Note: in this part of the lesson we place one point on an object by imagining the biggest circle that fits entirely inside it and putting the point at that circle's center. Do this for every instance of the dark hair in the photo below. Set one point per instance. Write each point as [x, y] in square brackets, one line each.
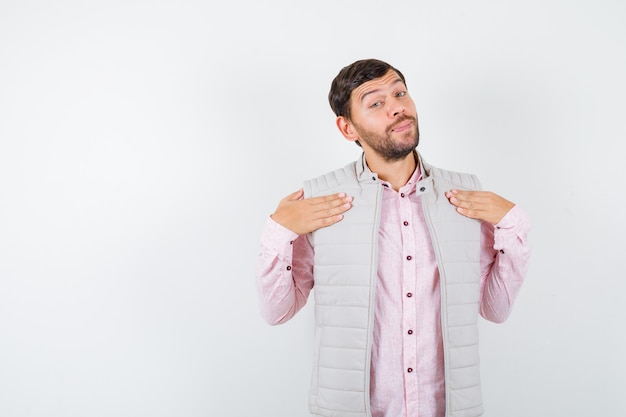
[352, 76]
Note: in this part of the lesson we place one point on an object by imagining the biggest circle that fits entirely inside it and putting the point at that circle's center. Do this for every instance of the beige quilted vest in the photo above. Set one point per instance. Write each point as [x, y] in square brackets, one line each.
[345, 272]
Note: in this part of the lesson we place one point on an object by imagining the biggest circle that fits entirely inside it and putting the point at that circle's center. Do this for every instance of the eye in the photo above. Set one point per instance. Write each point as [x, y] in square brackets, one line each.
[401, 94]
[377, 104]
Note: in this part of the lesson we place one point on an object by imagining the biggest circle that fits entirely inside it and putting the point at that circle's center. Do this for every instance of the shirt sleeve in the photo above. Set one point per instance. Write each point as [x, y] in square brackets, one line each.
[284, 274]
[505, 254]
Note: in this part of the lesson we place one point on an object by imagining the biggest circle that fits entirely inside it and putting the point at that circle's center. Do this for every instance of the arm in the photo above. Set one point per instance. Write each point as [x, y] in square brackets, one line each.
[505, 251]
[284, 274]
[505, 254]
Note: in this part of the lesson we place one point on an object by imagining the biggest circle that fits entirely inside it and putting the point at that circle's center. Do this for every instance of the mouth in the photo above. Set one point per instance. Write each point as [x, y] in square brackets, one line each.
[402, 126]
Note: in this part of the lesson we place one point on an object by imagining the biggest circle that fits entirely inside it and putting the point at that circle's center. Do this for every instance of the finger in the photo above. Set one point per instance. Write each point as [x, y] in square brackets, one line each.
[467, 208]
[326, 199]
[456, 198]
[476, 196]
[467, 204]
[327, 221]
[329, 202]
[470, 199]
[330, 211]
[296, 195]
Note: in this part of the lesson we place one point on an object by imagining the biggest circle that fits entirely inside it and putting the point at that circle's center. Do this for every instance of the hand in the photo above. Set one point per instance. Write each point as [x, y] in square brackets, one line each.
[481, 205]
[303, 215]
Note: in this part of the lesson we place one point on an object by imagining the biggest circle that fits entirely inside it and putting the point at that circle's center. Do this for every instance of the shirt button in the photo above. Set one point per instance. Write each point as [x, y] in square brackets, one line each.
[405, 223]
[291, 242]
[408, 258]
[501, 250]
[402, 195]
[409, 294]
[288, 267]
[409, 370]
[423, 189]
[410, 332]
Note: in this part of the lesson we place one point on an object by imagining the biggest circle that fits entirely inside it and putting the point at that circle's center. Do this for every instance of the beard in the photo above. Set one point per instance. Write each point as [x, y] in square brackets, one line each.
[393, 150]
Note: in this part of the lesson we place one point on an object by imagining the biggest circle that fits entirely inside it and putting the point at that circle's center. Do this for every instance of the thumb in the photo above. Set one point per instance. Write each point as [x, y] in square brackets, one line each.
[297, 195]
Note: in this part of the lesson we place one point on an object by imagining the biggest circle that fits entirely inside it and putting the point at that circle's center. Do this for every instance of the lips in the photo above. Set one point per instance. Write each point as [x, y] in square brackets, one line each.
[402, 126]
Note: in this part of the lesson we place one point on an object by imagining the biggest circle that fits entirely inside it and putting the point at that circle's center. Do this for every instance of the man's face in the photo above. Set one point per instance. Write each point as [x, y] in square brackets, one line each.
[384, 117]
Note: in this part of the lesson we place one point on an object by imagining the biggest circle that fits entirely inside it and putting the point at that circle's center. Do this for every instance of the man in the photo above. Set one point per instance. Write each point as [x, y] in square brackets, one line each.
[404, 256]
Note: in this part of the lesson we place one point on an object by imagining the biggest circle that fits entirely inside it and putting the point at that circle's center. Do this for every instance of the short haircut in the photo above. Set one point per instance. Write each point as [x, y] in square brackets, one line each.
[352, 76]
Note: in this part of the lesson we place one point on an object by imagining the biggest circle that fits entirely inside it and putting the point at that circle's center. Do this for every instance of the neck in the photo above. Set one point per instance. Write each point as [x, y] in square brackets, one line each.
[396, 173]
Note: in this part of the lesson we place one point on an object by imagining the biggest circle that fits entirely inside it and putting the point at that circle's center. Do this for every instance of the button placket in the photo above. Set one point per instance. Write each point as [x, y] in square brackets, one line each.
[409, 278]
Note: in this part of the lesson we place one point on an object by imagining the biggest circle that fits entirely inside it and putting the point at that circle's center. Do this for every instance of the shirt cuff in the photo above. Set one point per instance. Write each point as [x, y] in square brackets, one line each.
[276, 237]
[514, 225]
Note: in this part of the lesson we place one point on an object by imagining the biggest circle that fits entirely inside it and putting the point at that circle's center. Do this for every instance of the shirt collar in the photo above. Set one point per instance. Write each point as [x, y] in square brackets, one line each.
[364, 174]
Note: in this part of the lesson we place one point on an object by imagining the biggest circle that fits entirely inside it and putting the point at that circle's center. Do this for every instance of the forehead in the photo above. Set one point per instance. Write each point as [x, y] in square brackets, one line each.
[388, 81]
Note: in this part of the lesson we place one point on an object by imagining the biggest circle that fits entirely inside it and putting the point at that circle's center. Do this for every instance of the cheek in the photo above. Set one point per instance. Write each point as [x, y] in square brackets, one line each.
[373, 122]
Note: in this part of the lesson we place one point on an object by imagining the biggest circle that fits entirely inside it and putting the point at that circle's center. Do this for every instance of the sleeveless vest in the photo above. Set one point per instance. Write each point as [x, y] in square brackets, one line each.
[345, 271]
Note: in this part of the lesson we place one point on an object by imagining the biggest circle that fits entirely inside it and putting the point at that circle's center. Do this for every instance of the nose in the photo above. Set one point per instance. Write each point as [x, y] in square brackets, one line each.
[397, 109]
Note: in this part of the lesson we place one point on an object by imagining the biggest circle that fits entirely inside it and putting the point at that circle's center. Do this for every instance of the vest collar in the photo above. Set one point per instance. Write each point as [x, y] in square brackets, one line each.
[364, 174]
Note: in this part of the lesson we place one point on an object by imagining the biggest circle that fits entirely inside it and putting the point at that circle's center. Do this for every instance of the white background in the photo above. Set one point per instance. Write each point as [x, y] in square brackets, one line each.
[144, 143]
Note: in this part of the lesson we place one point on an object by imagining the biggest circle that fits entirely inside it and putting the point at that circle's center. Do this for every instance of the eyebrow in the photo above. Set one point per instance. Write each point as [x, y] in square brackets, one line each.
[398, 80]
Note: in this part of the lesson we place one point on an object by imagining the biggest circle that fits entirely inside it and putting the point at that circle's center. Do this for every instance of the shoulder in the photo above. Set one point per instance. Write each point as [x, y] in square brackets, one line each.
[329, 182]
[455, 179]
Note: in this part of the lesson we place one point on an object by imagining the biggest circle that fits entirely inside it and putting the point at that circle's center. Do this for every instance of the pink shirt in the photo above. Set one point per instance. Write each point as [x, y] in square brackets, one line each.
[407, 373]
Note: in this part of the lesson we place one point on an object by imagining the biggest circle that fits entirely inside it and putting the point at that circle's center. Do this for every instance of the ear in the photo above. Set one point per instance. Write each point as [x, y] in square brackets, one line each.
[346, 129]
